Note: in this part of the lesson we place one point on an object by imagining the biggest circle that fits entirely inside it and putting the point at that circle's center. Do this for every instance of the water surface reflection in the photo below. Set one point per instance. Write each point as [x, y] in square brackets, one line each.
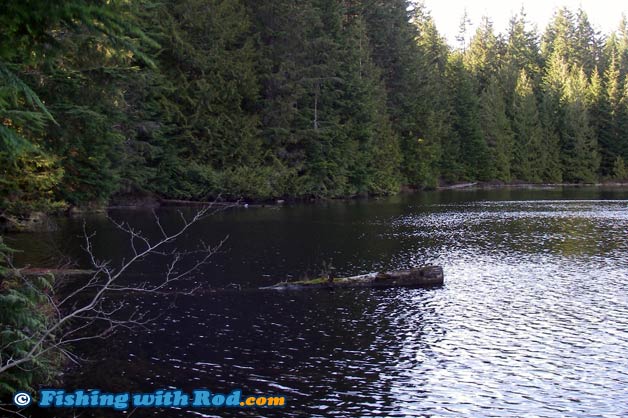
[532, 321]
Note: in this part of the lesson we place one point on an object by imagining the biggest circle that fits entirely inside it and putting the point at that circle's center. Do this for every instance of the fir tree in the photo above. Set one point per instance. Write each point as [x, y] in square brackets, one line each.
[528, 150]
[473, 157]
[619, 169]
[483, 57]
[496, 129]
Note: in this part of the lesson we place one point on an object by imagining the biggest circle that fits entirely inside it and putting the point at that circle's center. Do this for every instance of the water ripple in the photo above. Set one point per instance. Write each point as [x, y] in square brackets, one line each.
[532, 321]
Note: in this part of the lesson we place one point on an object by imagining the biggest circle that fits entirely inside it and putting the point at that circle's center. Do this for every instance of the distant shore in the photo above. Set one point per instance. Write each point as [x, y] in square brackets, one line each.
[39, 221]
[151, 201]
[514, 185]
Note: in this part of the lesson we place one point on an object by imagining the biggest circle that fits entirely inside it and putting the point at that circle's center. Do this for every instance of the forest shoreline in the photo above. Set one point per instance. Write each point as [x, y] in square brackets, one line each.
[45, 221]
[313, 103]
[515, 185]
[153, 201]
[156, 201]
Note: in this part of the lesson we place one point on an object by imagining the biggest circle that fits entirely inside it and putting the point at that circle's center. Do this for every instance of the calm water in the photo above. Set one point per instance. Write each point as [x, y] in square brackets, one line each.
[532, 321]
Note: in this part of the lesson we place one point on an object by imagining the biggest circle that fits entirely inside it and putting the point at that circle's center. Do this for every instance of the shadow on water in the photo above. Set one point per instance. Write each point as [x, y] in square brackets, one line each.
[532, 319]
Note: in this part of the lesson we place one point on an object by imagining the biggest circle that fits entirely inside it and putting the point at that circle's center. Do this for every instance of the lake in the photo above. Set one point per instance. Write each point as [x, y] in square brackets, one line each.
[532, 320]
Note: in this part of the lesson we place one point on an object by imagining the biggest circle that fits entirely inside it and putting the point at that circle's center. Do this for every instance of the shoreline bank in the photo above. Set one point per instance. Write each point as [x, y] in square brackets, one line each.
[40, 221]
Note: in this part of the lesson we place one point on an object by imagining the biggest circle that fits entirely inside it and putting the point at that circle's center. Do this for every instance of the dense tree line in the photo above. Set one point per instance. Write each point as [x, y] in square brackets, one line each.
[317, 98]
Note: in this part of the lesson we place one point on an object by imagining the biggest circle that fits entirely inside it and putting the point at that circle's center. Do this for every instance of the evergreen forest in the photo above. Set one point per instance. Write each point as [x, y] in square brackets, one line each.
[257, 100]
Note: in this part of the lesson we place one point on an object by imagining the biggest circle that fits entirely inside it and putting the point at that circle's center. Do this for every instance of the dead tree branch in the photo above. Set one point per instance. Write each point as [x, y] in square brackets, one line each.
[86, 312]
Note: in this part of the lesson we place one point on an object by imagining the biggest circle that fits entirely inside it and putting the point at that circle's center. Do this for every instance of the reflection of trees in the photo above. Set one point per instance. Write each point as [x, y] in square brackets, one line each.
[562, 235]
[512, 228]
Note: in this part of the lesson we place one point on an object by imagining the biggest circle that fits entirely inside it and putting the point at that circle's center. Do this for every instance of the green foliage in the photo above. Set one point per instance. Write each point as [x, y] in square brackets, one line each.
[199, 99]
[520, 53]
[323, 108]
[473, 154]
[570, 37]
[55, 53]
[23, 314]
[191, 99]
[496, 129]
[249, 99]
[28, 176]
[28, 182]
[619, 169]
[482, 58]
[528, 151]
[413, 59]
[568, 88]
[552, 169]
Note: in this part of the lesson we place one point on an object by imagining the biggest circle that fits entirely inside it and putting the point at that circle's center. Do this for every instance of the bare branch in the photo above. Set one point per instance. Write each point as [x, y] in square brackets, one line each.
[12, 411]
[86, 313]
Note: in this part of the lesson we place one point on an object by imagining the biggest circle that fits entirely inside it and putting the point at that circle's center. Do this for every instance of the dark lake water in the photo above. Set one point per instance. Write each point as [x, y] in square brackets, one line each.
[532, 320]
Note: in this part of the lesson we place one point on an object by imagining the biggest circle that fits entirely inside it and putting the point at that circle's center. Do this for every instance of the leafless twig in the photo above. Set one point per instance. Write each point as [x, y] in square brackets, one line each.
[86, 312]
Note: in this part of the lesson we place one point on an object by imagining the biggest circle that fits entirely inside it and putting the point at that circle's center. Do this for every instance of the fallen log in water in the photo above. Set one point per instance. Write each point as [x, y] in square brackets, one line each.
[426, 276]
[30, 271]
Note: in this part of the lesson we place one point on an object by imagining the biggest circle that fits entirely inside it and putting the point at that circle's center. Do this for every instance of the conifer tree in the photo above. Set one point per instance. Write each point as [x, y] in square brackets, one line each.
[473, 155]
[619, 169]
[579, 151]
[559, 39]
[412, 55]
[602, 120]
[622, 123]
[496, 129]
[483, 57]
[528, 150]
[548, 112]
[587, 43]
[202, 98]
[41, 44]
[374, 167]
[520, 53]
[195, 98]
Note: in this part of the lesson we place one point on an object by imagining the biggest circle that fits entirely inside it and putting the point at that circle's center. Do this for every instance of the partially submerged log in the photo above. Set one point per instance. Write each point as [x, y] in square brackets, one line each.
[57, 272]
[426, 276]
